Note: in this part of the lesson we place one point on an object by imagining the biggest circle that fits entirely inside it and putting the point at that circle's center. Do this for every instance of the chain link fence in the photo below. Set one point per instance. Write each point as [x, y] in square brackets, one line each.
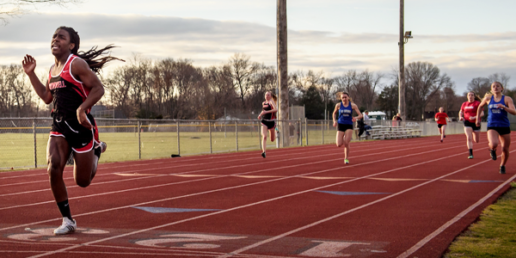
[23, 141]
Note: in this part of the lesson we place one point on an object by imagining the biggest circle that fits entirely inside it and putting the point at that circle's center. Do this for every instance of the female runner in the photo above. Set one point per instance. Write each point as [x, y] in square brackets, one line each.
[498, 126]
[441, 118]
[72, 88]
[344, 122]
[468, 114]
[268, 116]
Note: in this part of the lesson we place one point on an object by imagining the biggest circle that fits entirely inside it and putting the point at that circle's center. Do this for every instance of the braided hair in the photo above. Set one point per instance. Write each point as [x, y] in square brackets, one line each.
[90, 56]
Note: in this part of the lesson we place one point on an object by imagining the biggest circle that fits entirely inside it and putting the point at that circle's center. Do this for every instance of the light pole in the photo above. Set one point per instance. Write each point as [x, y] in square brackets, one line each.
[282, 59]
[404, 37]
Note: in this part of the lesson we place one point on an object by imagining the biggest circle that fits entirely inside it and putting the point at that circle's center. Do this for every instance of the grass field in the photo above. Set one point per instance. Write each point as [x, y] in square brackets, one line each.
[17, 149]
[494, 235]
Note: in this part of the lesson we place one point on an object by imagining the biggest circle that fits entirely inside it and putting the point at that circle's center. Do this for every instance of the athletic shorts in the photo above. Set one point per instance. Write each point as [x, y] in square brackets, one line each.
[270, 124]
[78, 137]
[439, 125]
[344, 127]
[501, 130]
[472, 125]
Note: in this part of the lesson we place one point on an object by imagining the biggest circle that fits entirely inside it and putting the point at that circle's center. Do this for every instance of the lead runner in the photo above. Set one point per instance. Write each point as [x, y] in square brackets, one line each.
[72, 88]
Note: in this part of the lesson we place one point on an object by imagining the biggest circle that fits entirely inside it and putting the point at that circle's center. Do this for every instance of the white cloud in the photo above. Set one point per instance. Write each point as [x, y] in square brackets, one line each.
[209, 42]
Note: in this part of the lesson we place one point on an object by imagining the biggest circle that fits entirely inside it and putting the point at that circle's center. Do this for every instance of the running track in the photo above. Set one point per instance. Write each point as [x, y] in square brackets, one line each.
[397, 198]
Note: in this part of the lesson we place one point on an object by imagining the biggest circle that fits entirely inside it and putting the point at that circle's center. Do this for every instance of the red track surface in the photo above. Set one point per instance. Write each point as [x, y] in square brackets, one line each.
[424, 196]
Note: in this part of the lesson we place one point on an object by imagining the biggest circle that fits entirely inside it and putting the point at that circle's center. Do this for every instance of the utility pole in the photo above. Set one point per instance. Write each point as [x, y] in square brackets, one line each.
[401, 77]
[281, 31]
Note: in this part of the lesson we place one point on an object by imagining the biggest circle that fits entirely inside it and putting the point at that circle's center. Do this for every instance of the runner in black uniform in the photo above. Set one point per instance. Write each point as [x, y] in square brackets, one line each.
[72, 88]
[268, 116]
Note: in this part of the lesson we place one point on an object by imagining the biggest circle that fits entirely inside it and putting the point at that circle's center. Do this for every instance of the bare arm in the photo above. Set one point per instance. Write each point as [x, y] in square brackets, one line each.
[43, 91]
[509, 106]
[81, 70]
[481, 108]
[355, 107]
[335, 111]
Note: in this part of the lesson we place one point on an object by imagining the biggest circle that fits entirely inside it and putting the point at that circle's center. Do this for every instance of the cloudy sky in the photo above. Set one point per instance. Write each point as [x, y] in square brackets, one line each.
[464, 38]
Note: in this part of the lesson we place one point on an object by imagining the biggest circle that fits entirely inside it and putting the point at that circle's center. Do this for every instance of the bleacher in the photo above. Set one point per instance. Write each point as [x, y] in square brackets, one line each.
[382, 132]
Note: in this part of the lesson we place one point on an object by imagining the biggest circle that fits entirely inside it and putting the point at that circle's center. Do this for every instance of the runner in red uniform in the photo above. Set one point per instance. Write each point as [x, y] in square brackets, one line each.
[468, 114]
[441, 118]
[72, 88]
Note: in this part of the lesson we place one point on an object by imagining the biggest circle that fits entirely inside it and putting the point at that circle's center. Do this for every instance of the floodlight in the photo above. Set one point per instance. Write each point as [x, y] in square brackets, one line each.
[408, 34]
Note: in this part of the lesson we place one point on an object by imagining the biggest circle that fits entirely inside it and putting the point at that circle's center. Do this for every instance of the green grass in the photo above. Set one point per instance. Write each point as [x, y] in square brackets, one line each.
[494, 235]
[17, 149]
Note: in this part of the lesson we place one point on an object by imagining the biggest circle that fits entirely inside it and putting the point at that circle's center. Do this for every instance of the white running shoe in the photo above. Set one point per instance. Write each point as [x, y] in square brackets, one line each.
[103, 146]
[67, 227]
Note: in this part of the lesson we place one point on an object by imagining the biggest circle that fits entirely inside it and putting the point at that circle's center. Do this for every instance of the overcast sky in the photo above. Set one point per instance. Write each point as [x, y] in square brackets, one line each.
[464, 38]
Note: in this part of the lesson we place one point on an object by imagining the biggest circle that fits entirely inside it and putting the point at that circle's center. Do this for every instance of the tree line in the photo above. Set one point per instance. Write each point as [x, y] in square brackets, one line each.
[176, 89]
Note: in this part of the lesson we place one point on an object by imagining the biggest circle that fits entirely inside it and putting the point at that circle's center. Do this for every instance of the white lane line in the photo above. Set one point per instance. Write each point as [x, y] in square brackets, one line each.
[154, 162]
[222, 176]
[188, 164]
[188, 160]
[247, 205]
[349, 211]
[459, 216]
[194, 171]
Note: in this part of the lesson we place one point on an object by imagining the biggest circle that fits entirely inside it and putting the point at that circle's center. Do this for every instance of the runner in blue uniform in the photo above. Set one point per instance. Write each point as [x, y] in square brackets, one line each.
[498, 126]
[343, 119]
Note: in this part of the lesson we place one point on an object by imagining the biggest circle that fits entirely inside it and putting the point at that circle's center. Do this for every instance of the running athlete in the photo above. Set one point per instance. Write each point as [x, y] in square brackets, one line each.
[498, 126]
[344, 122]
[441, 118]
[468, 114]
[268, 116]
[72, 88]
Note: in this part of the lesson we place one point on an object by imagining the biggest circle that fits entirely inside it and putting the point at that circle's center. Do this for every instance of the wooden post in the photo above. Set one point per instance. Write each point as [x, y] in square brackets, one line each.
[401, 82]
[282, 58]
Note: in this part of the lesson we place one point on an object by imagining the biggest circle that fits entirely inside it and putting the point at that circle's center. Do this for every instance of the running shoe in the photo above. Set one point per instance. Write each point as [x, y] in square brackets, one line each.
[493, 154]
[502, 170]
[441, 140]
[263, 154]
[470, 157]
[100, 148]
[67, 227]
[346, 161]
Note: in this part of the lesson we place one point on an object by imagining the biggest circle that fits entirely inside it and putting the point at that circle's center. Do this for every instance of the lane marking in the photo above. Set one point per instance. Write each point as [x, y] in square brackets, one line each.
[172, 210]
[350, 193]
[223, 189]
[254, 204]
[459, 216]
[197, 180]
[186, 172]
[351, 210]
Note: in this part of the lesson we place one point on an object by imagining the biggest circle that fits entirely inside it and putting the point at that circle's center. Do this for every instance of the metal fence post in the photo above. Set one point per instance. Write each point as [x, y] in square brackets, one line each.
[178, 141]
[260, 135]
[139, 140]
[322, 131]
[306, 131]
[35, 145]
[300, 128]
[209, 127]
[236, 134]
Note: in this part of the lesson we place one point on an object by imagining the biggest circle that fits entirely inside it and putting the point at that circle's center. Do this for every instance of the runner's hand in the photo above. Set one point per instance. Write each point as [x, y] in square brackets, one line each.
[29, 64]
[334, 124]
[83, 119]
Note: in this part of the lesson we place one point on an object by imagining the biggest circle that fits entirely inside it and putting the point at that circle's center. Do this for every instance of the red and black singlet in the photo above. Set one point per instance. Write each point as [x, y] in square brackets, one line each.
[266, 106]
[68, 93]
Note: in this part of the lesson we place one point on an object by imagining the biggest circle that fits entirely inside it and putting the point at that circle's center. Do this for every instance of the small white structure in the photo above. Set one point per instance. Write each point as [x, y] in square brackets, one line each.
[377, 115]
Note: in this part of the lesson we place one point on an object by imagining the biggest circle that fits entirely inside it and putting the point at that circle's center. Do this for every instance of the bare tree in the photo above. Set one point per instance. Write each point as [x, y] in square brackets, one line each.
[242, 70]
[423, 81]
[11, 8]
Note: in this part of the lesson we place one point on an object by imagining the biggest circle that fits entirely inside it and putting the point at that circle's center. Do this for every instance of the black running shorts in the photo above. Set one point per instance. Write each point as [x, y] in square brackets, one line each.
[344, 127]
[472, 125]
[78, 137]
[501, 130]
[270, 124]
